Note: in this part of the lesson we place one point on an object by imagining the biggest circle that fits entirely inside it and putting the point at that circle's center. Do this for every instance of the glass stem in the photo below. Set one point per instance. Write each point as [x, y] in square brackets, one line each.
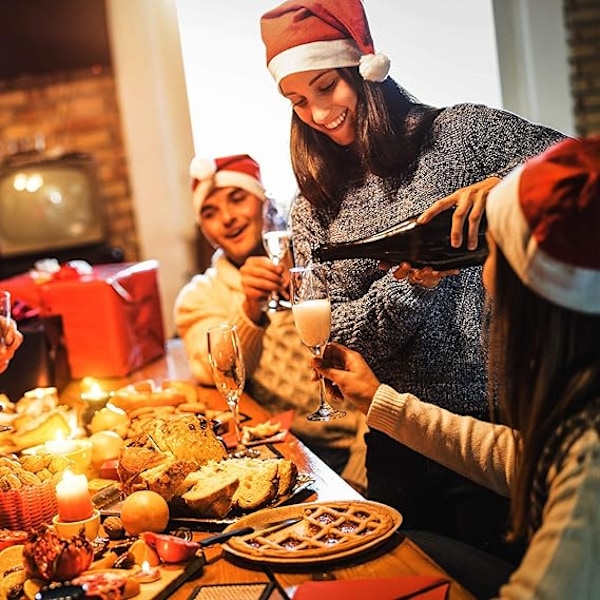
[323, 391]
[235, 411]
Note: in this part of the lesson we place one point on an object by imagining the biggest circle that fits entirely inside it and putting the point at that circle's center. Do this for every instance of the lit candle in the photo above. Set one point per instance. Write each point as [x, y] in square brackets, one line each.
[60, 446]
[94, 398]
[73, 498]
[42, 393]
[147, 574]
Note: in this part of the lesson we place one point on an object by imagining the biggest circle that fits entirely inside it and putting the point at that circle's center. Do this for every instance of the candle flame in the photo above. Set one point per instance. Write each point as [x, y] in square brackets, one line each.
[145, 567]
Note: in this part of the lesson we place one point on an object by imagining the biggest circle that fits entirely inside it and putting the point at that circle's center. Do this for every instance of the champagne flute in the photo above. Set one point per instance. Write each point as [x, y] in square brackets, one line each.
[312, 315]
[5, 315]
[276, 241]
[227, 364]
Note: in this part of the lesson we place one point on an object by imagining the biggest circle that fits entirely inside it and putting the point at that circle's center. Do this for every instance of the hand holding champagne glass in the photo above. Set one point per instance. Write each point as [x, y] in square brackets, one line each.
[312, 315]
[226, 361]
[10, 337]
[276, 241]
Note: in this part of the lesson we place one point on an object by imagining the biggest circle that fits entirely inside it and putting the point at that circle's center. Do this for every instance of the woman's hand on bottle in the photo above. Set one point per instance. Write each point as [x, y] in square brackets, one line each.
[426, 277]
[470, 204]
[350, 374]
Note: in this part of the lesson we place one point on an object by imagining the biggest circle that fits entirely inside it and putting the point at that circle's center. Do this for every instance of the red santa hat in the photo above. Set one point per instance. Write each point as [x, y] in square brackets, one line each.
[239, 171]
[325, 34]
[545, 216]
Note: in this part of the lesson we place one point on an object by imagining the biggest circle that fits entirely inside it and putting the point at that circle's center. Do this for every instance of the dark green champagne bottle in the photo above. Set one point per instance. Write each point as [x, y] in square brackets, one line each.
[425, 245]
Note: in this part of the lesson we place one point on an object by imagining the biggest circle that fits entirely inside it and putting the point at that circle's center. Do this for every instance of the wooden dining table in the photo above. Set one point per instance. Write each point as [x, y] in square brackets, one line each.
[396, 557]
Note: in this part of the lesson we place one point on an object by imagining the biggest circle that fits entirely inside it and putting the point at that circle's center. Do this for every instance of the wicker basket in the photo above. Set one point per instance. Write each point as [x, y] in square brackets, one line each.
[28, 507]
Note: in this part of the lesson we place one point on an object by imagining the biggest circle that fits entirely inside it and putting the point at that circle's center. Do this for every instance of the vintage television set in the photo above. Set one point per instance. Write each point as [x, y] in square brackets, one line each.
[51, 207]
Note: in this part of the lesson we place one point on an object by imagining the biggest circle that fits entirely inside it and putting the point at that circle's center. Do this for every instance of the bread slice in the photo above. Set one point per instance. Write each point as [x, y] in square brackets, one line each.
[164, 479]
[133, 460]
[258, 481]
[242, 484]
[188, 437]
[212, 494]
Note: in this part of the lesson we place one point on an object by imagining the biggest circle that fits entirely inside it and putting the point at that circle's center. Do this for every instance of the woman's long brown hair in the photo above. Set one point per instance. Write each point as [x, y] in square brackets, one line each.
[544, 364]
[392, 127]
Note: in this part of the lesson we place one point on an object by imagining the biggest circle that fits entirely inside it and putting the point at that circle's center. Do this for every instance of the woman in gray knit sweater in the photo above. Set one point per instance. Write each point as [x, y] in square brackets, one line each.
[367, 155]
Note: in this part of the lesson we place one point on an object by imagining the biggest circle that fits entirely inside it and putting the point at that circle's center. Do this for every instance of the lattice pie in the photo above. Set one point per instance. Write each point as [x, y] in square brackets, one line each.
[325, 529]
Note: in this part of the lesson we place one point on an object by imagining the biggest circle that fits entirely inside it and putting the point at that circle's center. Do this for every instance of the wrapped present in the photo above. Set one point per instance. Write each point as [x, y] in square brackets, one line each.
[41, 360]
[111, 313]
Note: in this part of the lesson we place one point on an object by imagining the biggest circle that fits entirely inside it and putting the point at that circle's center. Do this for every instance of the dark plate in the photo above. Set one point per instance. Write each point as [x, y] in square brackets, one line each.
[303, 482]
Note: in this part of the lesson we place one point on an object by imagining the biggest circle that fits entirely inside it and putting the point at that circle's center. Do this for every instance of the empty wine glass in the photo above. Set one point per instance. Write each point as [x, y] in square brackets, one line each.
[276, 241]
[312, 315]
[227, 364]
[5, 305]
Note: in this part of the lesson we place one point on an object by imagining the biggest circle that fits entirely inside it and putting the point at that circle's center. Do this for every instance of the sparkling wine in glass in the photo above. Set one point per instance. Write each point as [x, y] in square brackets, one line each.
[312, 315]
[276, 241]
[227, 364]
[5, 306]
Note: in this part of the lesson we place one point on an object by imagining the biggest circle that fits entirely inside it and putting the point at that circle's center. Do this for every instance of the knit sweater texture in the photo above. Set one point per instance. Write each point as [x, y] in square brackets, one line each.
[424, 341]
[278, 374]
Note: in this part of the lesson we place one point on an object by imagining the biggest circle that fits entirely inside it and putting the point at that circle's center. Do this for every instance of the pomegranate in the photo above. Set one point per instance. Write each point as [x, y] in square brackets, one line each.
[51, 558]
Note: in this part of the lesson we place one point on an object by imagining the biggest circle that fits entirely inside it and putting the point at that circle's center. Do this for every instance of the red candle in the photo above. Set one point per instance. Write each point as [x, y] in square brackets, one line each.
[73, 498]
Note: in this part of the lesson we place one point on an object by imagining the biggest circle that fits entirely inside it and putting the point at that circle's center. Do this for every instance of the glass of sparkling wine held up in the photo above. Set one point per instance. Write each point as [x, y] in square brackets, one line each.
[276, 241]
[227, 364]
[312, 315]
[5, 314]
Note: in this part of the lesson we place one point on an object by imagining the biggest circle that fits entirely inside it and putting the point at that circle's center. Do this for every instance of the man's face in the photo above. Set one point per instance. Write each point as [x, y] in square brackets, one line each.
[231, 218]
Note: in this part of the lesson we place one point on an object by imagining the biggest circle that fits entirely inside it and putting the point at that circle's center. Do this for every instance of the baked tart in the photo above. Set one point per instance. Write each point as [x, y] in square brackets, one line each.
[326, 531]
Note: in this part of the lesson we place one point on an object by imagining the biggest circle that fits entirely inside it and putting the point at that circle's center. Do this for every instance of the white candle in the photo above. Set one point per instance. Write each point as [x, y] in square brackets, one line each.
[73, 498]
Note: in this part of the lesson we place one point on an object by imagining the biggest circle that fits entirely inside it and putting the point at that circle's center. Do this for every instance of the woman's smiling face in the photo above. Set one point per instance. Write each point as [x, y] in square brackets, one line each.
[324, 101]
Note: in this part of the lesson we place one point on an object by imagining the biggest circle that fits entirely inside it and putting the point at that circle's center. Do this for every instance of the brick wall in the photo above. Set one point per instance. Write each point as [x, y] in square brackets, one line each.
[582, 20]
[76, 111]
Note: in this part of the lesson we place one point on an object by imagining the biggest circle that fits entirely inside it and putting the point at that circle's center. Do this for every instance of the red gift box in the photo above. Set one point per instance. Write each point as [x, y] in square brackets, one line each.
[112, 316]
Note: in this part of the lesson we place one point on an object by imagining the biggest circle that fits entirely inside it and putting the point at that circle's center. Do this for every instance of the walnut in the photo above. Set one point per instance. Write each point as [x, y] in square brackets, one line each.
[114, 528]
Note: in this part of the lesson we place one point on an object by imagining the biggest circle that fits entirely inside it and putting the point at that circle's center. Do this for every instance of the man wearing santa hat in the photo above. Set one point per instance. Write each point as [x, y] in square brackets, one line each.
[229, 203]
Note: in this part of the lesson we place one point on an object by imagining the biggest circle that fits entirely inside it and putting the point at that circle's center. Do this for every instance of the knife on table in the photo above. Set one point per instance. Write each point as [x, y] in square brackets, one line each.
[266, 528]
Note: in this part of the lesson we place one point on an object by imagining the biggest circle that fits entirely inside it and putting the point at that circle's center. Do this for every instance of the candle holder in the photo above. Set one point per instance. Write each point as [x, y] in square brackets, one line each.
[79, 452]
[146, 573]
[67, 529]
[92, 401]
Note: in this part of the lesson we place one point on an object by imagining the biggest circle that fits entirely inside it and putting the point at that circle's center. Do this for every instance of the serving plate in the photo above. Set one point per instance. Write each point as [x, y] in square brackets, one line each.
[327, 531]
[303, 482]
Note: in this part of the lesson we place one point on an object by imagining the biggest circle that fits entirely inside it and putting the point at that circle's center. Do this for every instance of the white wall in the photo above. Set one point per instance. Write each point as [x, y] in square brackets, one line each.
[156, 125]
[532, 48]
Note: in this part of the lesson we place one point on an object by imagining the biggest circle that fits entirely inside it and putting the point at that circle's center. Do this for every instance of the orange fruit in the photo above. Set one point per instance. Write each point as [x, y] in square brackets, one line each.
[110, 418]
[141, 551]
[144, 510]
[12, 569]
[106, 445]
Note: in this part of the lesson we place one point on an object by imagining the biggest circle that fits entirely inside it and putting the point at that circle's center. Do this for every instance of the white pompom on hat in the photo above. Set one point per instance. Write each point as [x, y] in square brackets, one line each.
[239, 171]
[324, 34]
[545, 217]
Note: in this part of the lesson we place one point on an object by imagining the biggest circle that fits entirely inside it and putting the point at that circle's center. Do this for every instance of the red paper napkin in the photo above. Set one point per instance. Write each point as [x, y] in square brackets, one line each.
[419, 587]
[284, 419]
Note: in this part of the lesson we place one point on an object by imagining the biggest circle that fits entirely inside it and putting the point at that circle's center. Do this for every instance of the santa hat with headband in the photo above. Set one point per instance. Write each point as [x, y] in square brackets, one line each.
[545, 217]
[325, 34]
[239, 171]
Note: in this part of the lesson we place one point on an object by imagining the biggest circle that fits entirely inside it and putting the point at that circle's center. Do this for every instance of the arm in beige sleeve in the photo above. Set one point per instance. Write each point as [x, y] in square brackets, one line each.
[483, 452]
[199, 306]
